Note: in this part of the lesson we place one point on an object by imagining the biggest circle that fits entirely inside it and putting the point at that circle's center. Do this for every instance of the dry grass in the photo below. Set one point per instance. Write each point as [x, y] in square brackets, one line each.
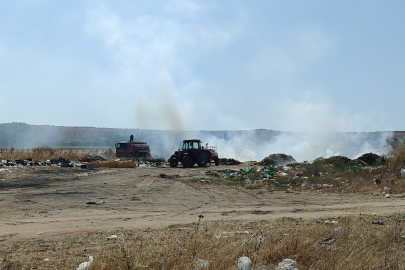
[362, 245]
[396, 159]
[45, 153]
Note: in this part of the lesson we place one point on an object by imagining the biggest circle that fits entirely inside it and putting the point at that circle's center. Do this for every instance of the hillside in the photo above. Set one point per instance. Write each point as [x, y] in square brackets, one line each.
[22, 135]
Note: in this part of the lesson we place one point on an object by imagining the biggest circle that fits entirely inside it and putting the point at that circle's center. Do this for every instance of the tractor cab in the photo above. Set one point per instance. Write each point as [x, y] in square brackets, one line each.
[190, 145]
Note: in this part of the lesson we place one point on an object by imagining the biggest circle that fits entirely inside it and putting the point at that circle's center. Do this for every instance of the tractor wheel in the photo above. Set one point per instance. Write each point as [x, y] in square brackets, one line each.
[202, 159]
[216, 160]
[188, 161]
[173, 161]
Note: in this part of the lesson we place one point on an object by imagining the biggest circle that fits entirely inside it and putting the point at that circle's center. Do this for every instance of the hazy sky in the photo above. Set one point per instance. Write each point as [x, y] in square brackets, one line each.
[182, 64]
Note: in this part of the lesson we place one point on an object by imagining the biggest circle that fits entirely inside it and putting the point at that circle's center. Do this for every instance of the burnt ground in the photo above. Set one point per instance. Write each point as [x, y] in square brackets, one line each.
[37, 202]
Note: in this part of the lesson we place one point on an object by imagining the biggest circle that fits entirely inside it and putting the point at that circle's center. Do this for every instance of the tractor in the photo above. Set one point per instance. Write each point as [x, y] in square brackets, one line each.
[191, 152]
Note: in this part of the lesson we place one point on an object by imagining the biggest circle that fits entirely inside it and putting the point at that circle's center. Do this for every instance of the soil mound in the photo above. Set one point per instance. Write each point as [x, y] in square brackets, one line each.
[370, 159]
[337, 159]
[277, 160]
[229, 161]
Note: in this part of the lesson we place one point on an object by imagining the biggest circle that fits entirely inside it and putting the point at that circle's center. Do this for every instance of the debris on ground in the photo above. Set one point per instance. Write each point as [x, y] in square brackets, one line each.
[95, 202]
[201, 264]
[339, 230]
[112, 237]
[377, 180]
[377, 222]
[162, 175]
[287, 264]
[85, 265]
[244, 263]
[92, 158]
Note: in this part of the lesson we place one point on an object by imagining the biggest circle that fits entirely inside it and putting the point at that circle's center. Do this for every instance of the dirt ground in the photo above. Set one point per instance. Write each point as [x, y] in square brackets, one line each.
[38, 202]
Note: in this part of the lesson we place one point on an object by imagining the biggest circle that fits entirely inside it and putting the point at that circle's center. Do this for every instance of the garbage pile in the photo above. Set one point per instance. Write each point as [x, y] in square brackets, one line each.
[151, 163]
[57, 162]
[368, 159]
[229, 161]
[371, 159]
[277, 160]
[92, 158]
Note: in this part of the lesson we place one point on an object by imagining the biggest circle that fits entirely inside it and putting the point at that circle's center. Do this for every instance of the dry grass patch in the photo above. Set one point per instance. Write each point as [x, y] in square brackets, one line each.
[45, 153]
[358, 245]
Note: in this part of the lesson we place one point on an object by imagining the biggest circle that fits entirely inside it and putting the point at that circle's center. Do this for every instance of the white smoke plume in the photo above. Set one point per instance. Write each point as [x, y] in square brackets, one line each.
[302, 146]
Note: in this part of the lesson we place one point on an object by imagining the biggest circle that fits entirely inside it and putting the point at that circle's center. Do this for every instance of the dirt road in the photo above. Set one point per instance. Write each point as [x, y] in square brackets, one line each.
[37, 202]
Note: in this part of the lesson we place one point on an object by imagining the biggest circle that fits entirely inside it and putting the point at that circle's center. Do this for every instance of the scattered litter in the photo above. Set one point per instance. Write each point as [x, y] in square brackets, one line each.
[249, 170]
[287, 264]
[162, 175]
[374, 214]
[258, 240]
[328, 238]
[331, 222]
[46, 260]
[242, 232]
[378, 222]
[219, 236]
[306, 184]
[39, 233]
[85, 265]
[281, 174]
[330, 242]
[204, 181]
[112, 237]
[402, 172]
[201, 264]
[244, 263]
[339, 230]
[95, 202]
[377, 180]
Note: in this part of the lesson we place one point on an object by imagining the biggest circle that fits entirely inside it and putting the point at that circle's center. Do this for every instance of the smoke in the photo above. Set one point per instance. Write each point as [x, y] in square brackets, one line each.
[321, 130]
[160, 110]
[303, 146]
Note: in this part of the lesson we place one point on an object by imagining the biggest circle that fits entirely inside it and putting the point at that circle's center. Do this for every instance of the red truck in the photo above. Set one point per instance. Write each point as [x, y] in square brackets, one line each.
[132, 149]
